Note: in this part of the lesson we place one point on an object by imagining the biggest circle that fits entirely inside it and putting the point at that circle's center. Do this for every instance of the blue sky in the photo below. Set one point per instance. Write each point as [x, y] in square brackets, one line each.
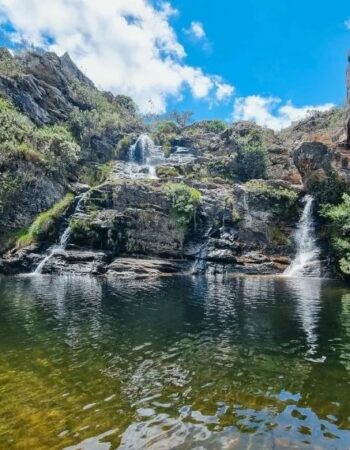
[264, 60]
[296, 50]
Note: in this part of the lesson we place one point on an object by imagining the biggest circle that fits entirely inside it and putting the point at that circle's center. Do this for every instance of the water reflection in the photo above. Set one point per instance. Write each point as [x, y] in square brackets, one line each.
[307, 295]
[177, 363]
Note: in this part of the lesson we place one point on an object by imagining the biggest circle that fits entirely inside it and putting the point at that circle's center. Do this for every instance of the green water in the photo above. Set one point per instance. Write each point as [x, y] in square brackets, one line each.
[176, 363]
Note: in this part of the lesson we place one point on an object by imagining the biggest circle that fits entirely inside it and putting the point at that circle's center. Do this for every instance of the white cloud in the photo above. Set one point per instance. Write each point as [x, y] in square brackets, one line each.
[347, 24]
[196, 30]
[223, 91]
[270, 112]
[123, 46]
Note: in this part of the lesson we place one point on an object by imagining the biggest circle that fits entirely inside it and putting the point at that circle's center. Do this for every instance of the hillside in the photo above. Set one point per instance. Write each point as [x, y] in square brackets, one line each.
[226, 196]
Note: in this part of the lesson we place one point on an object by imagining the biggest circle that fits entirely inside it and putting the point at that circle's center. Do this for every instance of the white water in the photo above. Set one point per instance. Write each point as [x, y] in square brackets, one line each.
[306, 261]
[144, 157]
[62, 244]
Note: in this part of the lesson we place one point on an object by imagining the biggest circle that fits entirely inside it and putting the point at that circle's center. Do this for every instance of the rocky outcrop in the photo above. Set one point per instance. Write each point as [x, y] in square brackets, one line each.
[37, 191]
[317, 162]
[41, 87]
[128, 218]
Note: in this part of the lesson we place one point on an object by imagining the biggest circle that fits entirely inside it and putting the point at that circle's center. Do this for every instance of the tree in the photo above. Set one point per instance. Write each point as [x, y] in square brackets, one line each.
[181, 118]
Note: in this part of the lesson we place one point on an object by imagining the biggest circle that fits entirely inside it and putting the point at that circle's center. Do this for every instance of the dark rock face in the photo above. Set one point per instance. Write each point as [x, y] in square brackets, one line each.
[41, 102]
[38, 192]
[316, 161]
[132, 218]
[42, 91]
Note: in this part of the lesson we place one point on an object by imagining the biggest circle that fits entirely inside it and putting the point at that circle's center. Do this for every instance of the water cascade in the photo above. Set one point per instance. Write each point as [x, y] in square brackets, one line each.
[306, 261]
[64, 238]
[146, 154]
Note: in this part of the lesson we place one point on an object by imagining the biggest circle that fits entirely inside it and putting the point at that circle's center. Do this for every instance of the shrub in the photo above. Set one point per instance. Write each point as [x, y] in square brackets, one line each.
[45, 225]
[123, 147]
[166, 134]
[328, 190]
[9, 66]
[214, 126]
[338, 230]
[250, 162]
[184, 203]
[167, 172]
[284, 201]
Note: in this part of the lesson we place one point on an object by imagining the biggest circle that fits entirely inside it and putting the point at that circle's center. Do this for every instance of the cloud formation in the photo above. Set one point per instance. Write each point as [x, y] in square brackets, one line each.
[196, 30]
[124, 46]
[347, 24]
[270, 112]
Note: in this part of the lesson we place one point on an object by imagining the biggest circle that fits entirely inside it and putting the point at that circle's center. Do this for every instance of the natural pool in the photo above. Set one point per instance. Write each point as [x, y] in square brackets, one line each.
[174, 363]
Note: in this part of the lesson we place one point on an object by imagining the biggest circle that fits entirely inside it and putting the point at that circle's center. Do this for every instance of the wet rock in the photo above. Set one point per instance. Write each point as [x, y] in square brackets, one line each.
[142, 268]
[77, 262]
[20, 261]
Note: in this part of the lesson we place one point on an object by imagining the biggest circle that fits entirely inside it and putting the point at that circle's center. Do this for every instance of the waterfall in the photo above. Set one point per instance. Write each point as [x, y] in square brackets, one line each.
[145, 154]
[64, 238]
[306, 261]
[140, 151]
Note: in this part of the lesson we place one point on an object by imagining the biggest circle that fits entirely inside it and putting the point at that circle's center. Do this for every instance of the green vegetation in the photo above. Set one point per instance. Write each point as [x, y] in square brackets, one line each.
[165, 134]
[167, 172]
[338, 230]
[284, 201]
[279, 236]
[49, 146]
[211, 126]
[250, 162]
[102, 115]
[95, 174]
[184, 203]
[45, 225]
[328, 190]
[123, 147]
[9, 66]
[80, 226]
[24, 148]
[336, 119]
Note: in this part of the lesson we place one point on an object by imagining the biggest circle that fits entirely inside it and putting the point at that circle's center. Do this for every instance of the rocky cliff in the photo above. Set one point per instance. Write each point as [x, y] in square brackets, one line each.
[200, 198]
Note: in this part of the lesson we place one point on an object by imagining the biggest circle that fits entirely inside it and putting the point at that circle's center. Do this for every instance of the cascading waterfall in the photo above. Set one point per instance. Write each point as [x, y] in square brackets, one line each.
[64, 239]
[146, 154]
[306, 261]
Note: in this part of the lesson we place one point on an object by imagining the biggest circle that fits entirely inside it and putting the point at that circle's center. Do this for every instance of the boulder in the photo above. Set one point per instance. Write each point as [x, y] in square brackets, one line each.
[76, 262]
